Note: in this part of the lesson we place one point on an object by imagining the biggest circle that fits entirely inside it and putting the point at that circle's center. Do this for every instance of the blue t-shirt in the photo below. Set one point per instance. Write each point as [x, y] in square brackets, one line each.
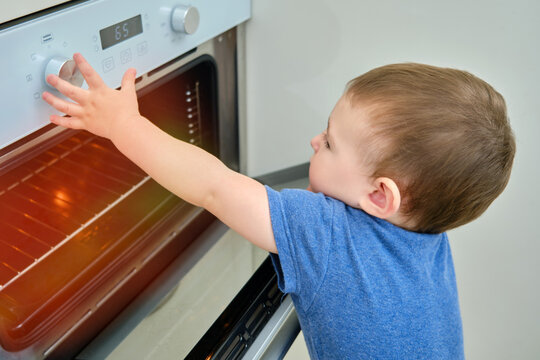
[362, 287]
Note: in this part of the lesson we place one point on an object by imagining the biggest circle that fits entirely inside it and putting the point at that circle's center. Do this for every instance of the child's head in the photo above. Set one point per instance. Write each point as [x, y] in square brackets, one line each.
[436, 142]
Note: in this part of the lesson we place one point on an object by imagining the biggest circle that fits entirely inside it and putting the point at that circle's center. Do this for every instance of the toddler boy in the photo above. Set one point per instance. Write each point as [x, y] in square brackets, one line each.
[410, 151]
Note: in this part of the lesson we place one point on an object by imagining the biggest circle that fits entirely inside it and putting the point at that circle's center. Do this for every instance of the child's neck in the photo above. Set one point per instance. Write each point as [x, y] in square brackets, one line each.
[401, 221]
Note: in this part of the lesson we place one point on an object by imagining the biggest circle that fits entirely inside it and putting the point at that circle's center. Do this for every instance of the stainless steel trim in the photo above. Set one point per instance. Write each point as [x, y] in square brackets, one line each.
[31, 144]
[225, 49]
[277, 336]
[242, 96]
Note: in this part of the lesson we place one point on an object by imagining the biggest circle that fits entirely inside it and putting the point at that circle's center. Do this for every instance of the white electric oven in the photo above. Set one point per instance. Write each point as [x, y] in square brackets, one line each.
[96, 259]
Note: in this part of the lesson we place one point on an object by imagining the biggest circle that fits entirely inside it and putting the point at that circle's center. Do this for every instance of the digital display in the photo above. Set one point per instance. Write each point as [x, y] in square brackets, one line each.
[114, 34]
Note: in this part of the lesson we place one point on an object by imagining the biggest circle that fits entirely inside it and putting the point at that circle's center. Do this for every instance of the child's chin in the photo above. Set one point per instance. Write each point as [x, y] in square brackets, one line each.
[309, 188]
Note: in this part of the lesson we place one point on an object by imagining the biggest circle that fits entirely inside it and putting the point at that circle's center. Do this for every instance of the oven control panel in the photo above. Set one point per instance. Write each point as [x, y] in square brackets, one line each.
[113, 35]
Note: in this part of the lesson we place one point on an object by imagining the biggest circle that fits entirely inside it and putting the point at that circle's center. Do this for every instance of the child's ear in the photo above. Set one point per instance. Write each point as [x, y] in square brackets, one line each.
[384, 200]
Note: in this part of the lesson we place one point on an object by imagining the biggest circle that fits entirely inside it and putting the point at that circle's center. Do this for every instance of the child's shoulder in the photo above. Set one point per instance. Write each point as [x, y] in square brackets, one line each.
[303, 197]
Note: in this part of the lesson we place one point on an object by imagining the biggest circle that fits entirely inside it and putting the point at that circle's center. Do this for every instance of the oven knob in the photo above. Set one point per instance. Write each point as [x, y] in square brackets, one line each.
[185, 19]
[66, 69]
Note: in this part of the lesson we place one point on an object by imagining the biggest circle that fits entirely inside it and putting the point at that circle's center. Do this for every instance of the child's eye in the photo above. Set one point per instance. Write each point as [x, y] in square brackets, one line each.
[325, 139]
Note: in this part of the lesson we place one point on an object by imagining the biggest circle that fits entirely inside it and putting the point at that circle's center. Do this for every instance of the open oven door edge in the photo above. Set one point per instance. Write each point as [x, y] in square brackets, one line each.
[277, 335]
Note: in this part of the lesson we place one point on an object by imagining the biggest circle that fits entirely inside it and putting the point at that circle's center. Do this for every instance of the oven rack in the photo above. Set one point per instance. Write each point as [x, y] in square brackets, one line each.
[54, 196]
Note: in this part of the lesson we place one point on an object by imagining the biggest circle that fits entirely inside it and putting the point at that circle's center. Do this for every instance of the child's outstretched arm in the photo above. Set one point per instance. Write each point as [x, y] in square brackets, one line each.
[186, 170]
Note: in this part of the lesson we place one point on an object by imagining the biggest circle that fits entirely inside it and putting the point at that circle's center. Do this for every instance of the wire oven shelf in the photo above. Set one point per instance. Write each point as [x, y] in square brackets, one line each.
[45, 201]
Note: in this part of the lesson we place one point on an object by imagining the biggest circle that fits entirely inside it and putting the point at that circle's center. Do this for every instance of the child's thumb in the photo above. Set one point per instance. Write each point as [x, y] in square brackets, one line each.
[128, 80]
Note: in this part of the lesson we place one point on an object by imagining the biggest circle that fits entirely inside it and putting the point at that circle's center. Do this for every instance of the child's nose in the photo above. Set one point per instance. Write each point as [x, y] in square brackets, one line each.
[315, 143]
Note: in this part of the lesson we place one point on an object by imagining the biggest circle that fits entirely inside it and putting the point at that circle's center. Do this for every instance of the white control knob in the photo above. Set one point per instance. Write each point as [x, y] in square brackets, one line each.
[66, 69]
[185, 19]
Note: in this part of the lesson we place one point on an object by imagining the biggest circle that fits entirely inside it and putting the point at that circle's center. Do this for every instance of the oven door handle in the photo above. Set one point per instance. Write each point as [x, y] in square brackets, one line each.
[278, 334]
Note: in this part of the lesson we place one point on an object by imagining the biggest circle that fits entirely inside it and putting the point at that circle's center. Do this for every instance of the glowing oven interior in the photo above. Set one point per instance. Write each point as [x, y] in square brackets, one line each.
[78, 218]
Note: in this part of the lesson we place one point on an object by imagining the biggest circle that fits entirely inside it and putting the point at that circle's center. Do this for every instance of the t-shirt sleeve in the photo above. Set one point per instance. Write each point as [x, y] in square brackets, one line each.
[302, 226]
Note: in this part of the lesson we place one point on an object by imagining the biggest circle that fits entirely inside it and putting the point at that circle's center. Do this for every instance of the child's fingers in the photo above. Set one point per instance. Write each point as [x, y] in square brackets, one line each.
[90, 75]
[69, 90]
[69, 122]
[61, 105]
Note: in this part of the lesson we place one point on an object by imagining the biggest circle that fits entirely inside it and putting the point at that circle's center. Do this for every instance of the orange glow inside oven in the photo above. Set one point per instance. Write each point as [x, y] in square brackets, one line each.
[52, 198]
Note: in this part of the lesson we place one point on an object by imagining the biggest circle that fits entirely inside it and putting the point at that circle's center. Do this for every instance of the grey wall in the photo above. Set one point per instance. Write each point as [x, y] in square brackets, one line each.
[301, 53]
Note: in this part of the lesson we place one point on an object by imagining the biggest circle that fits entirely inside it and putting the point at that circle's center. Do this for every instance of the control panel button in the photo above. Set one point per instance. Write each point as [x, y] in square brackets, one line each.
[185, 19]
[65, 69]
[125, 56]
[142, 48]
[108, 64]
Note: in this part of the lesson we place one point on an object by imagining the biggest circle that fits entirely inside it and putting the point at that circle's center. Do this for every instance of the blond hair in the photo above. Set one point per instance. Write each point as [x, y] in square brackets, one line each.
[447, 140]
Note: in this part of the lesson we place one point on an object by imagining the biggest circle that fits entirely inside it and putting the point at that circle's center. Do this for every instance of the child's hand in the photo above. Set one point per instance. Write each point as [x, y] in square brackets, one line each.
[100, 109]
